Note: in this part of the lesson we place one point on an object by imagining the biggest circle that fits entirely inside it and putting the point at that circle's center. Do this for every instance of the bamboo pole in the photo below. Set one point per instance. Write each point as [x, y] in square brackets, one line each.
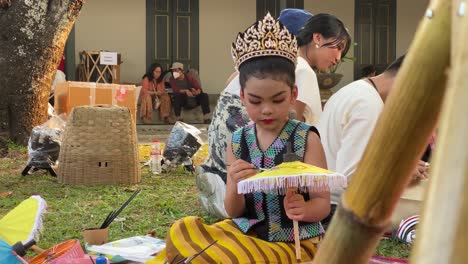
[442, 236]
[396, 145]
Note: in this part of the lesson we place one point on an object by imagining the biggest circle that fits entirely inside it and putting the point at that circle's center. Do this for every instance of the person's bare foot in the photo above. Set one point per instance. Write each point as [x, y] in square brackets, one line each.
[146, 120]
[169, 120]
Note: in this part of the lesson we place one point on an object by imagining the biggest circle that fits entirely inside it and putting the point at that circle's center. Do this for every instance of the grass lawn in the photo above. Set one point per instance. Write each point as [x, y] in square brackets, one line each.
[163, 199]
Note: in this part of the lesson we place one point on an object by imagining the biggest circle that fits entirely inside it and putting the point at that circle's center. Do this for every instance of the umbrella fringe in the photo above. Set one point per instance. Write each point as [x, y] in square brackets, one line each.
[38, 223]
[280, 184]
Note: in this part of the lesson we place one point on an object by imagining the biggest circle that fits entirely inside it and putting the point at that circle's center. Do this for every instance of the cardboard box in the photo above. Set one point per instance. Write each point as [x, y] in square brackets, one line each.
[71, 94]
[95, 236]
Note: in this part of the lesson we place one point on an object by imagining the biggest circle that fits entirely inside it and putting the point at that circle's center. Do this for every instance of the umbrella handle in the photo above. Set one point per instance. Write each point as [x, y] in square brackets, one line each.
[297, 241]
[21, 260]
[37, 249]
[18, 257]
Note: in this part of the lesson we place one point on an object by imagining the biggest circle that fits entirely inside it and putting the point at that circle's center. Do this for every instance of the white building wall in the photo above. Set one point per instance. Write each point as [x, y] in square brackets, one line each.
[120, 25]
[115, 25]
[220, 21]
[409, 14]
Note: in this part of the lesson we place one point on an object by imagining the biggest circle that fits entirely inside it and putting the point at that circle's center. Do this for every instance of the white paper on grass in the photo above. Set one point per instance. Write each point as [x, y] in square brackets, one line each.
[137, 248]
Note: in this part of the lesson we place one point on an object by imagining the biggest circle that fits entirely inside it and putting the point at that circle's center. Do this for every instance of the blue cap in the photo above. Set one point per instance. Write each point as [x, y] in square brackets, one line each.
[101, 260]
[294, 19]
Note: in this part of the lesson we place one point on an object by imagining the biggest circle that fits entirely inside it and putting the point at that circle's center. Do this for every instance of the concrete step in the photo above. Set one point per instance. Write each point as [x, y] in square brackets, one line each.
[147, 133]
[191, 116]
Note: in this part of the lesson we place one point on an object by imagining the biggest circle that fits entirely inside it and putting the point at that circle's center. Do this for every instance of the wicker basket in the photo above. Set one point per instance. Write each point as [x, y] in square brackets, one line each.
[99, 146]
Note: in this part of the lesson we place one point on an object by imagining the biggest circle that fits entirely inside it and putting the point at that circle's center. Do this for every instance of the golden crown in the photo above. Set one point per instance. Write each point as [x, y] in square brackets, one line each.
[267, 37]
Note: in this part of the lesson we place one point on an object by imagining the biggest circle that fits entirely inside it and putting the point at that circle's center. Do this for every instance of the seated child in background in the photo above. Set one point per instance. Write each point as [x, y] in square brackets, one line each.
[262, 229]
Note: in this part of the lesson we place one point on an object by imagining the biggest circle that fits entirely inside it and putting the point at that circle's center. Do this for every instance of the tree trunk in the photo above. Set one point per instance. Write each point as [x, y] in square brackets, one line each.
[32, 40]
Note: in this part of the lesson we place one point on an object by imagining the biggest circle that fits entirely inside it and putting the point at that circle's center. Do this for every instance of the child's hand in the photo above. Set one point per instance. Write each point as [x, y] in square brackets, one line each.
[294, 205]
[240, 170]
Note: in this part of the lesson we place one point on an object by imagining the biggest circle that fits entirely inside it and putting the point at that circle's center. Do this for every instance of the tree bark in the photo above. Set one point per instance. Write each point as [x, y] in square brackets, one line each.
[32, 40]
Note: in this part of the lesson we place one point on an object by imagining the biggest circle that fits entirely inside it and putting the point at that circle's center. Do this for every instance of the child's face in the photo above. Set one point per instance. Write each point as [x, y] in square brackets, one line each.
[268, 101]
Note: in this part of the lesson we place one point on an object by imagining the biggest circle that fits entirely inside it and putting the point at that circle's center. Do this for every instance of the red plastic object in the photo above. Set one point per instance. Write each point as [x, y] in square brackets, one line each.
[61, 253]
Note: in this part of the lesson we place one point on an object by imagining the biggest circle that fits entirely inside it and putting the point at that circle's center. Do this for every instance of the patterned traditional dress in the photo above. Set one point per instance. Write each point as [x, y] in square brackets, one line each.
[271, 223]
[229, 116]
[264, 234]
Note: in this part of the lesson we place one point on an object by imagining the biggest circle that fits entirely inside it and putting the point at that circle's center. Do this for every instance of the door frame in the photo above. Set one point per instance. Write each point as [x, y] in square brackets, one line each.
[150, 35]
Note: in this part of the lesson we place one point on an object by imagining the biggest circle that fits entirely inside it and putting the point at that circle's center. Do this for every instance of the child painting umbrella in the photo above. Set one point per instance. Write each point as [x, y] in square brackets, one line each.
[291, 176]
[260, 229]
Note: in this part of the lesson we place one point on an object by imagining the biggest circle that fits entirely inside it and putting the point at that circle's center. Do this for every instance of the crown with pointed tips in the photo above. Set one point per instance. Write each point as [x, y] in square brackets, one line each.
[267, 37]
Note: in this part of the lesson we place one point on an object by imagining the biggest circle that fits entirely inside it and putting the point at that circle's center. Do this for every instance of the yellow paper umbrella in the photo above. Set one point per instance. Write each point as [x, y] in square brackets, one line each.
[24, 222]
[293, 176]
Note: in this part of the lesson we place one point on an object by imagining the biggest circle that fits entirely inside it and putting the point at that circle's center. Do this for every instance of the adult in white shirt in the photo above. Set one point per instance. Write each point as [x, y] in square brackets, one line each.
[348, 120]
[323, 40]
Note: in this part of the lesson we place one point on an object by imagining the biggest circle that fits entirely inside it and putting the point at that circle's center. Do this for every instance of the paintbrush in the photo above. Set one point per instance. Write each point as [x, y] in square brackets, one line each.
[114, 214]
[104, 224]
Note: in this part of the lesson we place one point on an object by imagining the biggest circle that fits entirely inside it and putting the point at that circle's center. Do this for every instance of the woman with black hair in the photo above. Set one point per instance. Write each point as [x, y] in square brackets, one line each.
[323, 41]
[153, 95]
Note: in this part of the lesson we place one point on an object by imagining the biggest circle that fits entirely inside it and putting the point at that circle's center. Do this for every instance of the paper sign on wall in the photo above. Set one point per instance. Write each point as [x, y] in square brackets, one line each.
[108, 58]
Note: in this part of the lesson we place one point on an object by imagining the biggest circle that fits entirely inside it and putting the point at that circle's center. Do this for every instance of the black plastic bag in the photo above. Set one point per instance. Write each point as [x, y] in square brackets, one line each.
[183, 142]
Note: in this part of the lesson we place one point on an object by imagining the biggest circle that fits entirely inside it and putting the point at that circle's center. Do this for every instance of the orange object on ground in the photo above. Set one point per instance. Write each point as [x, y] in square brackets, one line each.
[61, 253]
[71, 94]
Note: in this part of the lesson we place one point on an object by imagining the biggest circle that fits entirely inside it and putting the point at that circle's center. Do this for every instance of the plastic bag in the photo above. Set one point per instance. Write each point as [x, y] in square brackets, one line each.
[59, 77]
[138, 248]
[183, 142]
[44, 143]
[50, 110]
